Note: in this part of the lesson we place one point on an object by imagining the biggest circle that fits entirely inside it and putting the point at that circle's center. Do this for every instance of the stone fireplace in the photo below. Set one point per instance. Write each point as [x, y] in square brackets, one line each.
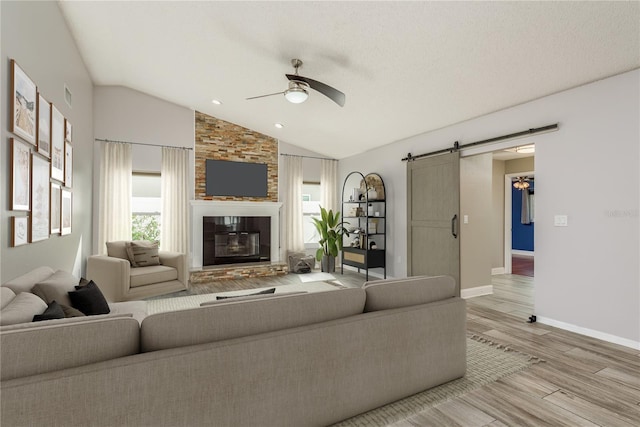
[228, 232]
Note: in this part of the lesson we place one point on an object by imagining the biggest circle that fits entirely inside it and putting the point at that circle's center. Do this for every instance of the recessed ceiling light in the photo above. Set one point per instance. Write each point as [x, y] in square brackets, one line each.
[217, 102]
[279, 125]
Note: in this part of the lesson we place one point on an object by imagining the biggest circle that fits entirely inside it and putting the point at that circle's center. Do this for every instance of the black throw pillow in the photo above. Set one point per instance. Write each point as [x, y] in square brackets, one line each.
[266, 291]
[89, 299]
[53, 311]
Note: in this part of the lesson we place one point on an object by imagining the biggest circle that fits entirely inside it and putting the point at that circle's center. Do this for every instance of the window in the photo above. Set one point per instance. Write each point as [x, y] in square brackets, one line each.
[146, 206]
[310, 209]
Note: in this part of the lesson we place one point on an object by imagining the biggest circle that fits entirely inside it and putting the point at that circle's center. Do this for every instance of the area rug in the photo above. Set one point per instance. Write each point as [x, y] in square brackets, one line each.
[486, 362]
[193, 301]
[315, 277]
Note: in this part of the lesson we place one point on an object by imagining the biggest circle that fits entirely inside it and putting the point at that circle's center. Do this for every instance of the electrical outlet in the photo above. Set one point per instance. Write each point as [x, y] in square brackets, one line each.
[561, 221]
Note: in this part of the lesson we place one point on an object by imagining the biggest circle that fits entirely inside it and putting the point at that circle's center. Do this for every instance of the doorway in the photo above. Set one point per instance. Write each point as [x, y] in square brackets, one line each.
[518, 243]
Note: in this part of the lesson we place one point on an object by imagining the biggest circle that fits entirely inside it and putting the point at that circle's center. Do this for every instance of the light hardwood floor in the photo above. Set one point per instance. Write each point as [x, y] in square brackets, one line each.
[583, 381]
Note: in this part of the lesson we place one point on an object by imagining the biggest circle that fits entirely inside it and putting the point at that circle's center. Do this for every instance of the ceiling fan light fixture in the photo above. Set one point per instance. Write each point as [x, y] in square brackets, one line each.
[522, 183]
[296, 94]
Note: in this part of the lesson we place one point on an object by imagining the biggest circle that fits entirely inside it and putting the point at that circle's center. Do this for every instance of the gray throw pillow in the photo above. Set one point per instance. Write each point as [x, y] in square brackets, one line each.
[56, 287]
[143, 254]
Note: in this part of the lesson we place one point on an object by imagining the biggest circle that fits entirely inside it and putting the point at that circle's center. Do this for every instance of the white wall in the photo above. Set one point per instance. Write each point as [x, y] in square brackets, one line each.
[123, 114]
[586, 275]
[36, 36]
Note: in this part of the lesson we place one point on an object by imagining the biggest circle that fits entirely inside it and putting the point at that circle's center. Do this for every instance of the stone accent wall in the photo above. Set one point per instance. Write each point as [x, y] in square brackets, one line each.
[237, 271]
[220, 140]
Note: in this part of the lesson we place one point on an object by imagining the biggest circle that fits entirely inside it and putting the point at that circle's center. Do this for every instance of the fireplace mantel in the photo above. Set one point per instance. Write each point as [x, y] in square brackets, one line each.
[202, 208]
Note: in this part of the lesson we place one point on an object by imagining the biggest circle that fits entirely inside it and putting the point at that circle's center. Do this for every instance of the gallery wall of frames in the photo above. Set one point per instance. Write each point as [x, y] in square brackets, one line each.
[41, 164]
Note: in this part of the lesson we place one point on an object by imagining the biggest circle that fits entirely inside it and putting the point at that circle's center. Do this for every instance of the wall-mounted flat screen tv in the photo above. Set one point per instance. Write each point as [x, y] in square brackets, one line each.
[239, 179]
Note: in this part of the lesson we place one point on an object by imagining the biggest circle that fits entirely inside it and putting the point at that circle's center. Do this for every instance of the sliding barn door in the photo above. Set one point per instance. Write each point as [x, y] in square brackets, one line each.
[433, 196]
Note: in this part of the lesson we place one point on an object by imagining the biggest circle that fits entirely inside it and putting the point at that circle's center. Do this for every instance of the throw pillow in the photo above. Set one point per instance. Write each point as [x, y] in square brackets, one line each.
[83, 282]
[89, 299]
[143, 254]
[266, 291]
[22, 309]
[53, 311]
[56, 287]
[71, 312]
[6, 296]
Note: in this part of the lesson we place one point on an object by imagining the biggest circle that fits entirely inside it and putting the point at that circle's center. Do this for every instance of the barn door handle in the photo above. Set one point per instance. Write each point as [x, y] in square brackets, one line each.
[453, 226]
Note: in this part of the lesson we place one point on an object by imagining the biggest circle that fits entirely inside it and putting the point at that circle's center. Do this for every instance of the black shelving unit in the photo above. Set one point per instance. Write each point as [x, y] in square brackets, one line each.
[366, 212]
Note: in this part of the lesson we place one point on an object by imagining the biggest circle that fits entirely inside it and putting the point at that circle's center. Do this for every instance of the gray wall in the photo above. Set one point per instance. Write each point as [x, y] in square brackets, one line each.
[497, 216]
[586, 275]
[36, 36]
[475, 236]
[124, 114]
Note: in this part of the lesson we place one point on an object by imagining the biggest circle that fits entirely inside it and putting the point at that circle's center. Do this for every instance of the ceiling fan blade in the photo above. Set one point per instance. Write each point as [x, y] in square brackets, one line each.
[334, 94]
[262, 96]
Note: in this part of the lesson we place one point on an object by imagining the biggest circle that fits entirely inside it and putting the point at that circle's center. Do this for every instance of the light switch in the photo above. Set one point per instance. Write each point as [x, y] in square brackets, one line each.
[561, 220]
[465, 219]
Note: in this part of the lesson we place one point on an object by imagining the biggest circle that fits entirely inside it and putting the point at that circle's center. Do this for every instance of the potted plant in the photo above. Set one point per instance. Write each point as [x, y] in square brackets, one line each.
[331, 230]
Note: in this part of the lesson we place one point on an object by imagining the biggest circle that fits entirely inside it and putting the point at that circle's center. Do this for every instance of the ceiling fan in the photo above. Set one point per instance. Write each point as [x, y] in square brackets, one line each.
[299, 85]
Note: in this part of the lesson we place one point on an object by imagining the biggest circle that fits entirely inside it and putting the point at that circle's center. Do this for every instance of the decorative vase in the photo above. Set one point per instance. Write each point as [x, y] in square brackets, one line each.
[372, 194]
[328, 264]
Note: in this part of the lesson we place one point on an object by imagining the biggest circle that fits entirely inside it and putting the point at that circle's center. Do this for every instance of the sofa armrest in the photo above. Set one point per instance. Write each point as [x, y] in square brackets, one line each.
[178, 261]
[112, 275]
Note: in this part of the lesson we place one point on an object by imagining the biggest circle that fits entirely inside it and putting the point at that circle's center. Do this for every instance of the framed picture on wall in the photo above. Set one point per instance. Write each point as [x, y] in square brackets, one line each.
[39, 198]
[19, 230]
[68, 165]
[66, 212]
[20, 175]
[44, 127]
[67, 130]
[23, 104]
[56, 205]
[57, 144]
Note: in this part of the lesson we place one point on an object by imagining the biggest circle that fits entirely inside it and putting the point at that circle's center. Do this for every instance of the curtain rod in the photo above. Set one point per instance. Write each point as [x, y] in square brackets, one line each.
[308, 157]
[457, 146]
[141, 143]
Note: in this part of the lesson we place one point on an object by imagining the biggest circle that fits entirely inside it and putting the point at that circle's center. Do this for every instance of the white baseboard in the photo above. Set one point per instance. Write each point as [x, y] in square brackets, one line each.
[522, 253]
[476, 292]
[497, 270]
[589, 332]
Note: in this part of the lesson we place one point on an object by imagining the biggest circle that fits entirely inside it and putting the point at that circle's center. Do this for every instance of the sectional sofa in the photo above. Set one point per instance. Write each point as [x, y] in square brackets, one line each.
[292, 360]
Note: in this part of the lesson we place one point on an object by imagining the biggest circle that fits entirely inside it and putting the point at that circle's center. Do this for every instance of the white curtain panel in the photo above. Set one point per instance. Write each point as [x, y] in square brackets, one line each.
[115, 212]
[174, 234]
[329, 184]
[291, 198]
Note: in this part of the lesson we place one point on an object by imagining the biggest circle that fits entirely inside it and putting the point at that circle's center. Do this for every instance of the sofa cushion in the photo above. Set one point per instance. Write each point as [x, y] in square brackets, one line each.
[49, 347]
[117, 249]
[6, 295]
[53, 311]
[22, 309]
[65, 321]
[89, 300]
[56, 287]
[25, 282]
[143, 254]
[236, 319]
[153, 274]
[388, 294]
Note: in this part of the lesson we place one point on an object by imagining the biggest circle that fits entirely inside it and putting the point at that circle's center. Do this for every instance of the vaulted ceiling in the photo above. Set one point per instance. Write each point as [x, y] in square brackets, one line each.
[405, 67]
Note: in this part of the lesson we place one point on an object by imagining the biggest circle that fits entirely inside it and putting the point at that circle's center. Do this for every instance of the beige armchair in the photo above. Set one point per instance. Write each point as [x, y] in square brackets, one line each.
[119, 281]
